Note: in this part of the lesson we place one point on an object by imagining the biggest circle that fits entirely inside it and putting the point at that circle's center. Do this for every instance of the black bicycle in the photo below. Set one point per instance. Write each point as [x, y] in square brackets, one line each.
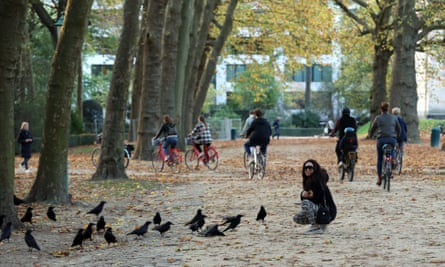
[387, 166]
[95, 155]
[348, 166]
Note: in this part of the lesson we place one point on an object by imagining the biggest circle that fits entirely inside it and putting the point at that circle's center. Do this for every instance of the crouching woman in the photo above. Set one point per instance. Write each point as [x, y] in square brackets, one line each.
[317, 205]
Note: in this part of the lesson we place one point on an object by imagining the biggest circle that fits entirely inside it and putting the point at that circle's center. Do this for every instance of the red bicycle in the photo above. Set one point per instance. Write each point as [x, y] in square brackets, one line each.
[174, 161]
[209, 158]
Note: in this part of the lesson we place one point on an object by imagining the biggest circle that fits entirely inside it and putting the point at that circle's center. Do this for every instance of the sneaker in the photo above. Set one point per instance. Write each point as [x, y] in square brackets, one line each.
[314, 231]
[167, 158]
[27, 170]
[340, 164]
[20, 166]
[201, 155]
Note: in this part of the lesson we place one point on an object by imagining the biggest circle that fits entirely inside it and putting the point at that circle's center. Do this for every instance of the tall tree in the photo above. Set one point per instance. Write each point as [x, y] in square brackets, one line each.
[111, 162]
[51, 183]
[12, 31]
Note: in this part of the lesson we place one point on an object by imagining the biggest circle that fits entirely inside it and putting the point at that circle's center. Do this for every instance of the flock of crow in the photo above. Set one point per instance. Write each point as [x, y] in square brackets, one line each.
[196, 224]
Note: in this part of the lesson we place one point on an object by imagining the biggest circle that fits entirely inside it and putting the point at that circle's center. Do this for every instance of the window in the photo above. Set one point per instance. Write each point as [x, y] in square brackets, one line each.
[99, 70]
[319, 74]
[233, 71]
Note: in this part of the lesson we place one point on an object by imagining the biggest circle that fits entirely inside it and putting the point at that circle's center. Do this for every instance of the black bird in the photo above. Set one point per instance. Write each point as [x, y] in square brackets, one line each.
[140, 231]
[233, 221]
[98, 209]
[18, 201]
[157, 219]
[100, 225]
[163, 227]
[51, 214]
[6, 232]
[2, 217]
[261, 214]
[78, 239]
[30, 241]
[28, 215]
[197, 217]
[212, 230]
[109, 237]
[198, 225]
[88, 232]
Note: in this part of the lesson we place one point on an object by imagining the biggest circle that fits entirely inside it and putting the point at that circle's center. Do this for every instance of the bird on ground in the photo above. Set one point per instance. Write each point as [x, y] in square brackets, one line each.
[109, 237]
[233, 221]
[197, 217]
[30, 241]
[261, 214]
[140, 231]
[51, 214]
[163, 227]
[6, 232]
[197, 225]
[100, 225]
[2, 217]
[27, 217]
[212, 230]
[98, 209]
[78, 239]
[88, 232]
[157, 219]
[18, 201]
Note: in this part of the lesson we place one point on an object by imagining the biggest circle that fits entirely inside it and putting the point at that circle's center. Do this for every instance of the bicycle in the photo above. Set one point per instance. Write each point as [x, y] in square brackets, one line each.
[398, 160]
[95, 155]
[257, 164]
[174, 160]
[210, 157]
[387, 166]
[348, 165]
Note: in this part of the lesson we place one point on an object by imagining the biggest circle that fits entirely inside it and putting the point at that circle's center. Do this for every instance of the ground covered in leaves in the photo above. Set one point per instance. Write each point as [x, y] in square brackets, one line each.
[403, 227]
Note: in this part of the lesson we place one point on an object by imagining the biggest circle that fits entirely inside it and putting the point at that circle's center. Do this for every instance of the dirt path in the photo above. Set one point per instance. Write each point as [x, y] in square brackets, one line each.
[373, 228]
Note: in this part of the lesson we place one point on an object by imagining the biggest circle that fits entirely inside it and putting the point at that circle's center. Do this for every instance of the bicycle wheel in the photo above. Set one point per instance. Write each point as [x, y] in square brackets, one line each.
[261, 166]
[399, 160]
[191, 159]
[126, 158]
[351, 170]
[386, 174]
[245, 159]
[251, 169]
[157, 162]
[212, 161]
[175, 161]
[95, 155]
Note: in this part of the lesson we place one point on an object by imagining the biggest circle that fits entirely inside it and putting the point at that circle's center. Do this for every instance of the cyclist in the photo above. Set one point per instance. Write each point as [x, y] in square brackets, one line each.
[247, 124]
[341, 124]
[258, 133]
[388, 130]
[348, 142]
[169, 133]
[403, 129]
[201, 135]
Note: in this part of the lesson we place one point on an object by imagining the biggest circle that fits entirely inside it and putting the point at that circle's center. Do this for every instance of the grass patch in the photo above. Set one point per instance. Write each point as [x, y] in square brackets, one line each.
[425, 126]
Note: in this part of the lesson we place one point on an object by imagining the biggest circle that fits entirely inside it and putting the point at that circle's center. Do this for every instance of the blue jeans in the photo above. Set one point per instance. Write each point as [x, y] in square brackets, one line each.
[380, 142]
[171, 141]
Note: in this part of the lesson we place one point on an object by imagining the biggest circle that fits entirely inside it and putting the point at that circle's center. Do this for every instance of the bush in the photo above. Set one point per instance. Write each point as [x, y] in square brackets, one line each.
[307, 119]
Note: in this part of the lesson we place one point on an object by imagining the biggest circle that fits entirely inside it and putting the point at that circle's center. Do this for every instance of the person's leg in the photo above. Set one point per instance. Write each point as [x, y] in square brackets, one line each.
[338, 152]
[25, 162]
[165, 148]
[379, 149]
[247, 146]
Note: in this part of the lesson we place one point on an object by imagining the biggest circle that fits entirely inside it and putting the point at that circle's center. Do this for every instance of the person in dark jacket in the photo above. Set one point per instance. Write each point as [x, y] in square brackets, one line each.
[25, 140]
[315, 192]
[169, 133]
[403, 129]
[258, 133]
[341, 124]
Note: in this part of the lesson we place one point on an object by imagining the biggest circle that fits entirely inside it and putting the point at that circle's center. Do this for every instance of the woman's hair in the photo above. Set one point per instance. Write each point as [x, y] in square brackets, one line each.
[396, 111]
[318, 172]
[203, 120]
[384, 106]
[25, 125]
[167, 119]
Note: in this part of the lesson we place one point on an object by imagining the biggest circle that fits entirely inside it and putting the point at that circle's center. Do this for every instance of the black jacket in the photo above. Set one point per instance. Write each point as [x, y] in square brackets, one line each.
[259, 131]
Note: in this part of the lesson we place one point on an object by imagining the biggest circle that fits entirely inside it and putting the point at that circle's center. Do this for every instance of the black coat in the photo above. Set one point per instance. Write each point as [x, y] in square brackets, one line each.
[25, 147]
[259, 131]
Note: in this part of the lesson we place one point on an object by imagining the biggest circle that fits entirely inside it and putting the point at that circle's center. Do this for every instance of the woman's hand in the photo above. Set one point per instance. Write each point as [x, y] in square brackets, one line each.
[307, 194]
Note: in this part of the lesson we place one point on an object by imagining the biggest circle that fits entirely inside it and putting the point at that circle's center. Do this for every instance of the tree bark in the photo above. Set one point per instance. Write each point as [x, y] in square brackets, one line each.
[111, 162]
[12, 28]
[51, 184]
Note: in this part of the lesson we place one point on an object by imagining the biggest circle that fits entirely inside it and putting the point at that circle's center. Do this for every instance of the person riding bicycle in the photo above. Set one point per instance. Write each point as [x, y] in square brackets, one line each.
[247, 124]
[168, 133]
[348, 142]
[201, 135]
[403, 129]
[341, 124]
[258, 134]
[388, 130]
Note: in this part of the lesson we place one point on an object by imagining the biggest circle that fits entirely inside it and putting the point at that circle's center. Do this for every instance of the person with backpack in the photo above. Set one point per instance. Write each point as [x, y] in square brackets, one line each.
[258, 133]
[341, 124]
[348, 142]
[169, 134]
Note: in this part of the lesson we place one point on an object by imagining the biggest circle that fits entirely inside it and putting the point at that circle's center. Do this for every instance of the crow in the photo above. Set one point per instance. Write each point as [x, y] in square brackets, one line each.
[51, 214]
[198, 225]
[197, 217]
[88, 232]
[2, 217]
[18, 201]
[261, 214]
[157, 219]
[100, 225]
[98, 209]
[30, 241]
[140, 231]
[163, 227]
[212, 230]
[233, 221]
[78, 239]
[6, 232]
[28, 215]
[109, 237]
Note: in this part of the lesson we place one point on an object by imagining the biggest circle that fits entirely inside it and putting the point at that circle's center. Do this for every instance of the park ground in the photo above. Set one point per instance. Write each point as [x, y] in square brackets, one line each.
[404, 227]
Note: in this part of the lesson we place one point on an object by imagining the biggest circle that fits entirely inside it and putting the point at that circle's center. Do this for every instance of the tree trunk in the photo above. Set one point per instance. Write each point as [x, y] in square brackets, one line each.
[150, 113]
[79, 89]
[111, 162]
[404, 86]
[51, 184]
[12, 29]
